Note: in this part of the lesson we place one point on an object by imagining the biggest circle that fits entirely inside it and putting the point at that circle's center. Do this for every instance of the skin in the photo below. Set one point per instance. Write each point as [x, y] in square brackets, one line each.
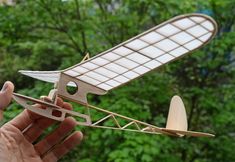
[18, 137]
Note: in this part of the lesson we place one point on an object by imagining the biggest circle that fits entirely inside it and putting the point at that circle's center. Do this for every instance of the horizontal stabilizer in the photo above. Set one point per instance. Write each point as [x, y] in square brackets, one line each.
[188, 133]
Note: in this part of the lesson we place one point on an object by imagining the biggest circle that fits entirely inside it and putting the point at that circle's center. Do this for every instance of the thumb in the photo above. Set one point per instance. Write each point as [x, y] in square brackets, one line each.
[6, 94]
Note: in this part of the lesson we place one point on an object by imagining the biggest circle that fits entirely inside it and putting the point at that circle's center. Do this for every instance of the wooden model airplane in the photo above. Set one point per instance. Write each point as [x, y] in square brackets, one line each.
[121, 64]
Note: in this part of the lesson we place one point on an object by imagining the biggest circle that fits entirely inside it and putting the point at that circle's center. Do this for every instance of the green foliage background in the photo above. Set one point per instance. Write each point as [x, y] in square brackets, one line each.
[55, 34]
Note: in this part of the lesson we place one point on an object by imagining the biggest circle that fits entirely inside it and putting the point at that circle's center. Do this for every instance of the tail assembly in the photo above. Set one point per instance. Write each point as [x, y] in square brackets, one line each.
[177, 120]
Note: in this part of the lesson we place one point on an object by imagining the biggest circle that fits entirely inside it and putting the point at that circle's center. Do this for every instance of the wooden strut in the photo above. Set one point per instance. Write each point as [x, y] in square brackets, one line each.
[86, 57]
[139, 126]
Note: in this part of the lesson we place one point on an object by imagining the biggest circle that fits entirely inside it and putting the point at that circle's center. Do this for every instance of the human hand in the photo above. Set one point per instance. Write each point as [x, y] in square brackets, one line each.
[5, 96]
[18, 136]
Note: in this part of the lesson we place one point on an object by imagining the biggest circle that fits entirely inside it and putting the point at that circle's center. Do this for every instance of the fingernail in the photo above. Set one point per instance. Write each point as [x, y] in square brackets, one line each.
[4, 87]
[81, 135]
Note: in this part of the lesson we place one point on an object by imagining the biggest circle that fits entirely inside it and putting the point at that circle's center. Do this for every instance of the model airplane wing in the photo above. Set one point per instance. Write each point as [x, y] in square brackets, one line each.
[47, 76]
[132, 58]
[141, 54]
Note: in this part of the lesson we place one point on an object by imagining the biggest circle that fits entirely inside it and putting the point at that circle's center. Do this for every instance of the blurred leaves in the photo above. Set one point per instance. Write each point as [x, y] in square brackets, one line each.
[55, 34]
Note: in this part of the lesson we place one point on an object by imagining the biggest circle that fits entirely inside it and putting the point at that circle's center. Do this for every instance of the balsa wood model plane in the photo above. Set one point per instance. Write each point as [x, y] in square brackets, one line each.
[121, 64]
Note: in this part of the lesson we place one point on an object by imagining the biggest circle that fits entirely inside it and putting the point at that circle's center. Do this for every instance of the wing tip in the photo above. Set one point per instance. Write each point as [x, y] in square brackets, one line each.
[206, 16]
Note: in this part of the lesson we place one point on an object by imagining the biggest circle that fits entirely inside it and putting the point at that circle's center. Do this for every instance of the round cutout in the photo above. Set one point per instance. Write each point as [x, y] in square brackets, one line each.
[71, 88]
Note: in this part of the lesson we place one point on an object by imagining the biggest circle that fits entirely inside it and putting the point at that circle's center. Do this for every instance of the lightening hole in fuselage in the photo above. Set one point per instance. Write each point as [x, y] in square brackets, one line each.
[56, 113]
[71, 88]
[29, 102]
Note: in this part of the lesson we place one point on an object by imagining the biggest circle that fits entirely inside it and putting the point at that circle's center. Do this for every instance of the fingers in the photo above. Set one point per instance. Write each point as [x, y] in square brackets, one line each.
[34, 116]
[67, 145]
[26, 118]
[21, 121]
[67, 106]
[37, 127]
[6, 94]
[55, 137]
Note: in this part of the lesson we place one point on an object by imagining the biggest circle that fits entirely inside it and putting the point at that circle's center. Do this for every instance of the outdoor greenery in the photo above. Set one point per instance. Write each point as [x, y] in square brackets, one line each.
[55, 34]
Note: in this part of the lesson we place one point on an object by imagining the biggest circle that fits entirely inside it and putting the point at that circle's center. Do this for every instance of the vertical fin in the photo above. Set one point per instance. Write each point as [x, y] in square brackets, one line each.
[177, 118]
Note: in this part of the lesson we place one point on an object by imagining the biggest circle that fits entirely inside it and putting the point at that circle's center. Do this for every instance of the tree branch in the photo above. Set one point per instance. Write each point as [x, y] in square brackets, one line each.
[82, 31]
